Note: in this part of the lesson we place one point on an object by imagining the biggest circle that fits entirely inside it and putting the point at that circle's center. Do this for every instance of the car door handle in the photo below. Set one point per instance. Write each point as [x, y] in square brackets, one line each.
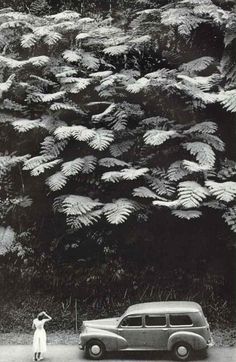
[164, 329]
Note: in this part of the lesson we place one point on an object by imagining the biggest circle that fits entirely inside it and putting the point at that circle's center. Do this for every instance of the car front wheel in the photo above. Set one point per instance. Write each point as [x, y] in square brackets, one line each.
[182, 351]
[95, 349]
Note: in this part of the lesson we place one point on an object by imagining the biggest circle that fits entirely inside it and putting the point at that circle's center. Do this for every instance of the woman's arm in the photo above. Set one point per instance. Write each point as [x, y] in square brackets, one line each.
[33, 326]
[48, 318]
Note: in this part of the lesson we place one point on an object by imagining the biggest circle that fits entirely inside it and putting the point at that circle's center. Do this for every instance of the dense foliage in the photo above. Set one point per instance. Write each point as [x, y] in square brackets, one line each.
[107, 122]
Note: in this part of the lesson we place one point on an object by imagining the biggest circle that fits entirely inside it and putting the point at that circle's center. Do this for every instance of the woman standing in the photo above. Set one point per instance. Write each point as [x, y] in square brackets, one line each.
[39, 340]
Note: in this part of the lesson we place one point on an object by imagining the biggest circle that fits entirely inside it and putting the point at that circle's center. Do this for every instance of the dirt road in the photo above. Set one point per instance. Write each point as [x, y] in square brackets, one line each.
[64, 353]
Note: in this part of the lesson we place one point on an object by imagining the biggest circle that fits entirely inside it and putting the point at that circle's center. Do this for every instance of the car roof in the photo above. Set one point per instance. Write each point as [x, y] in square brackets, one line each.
[164, 307]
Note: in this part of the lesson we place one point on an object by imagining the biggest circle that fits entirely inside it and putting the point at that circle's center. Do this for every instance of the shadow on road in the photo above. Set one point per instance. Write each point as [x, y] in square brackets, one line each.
[149, 356]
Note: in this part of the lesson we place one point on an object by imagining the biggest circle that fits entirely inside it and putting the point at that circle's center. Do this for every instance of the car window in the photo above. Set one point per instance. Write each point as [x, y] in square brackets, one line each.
[132, 321]
[155, 320]
[180, 320]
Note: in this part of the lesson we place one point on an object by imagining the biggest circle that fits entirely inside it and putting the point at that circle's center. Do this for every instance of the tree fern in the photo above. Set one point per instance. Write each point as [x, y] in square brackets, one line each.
[118, 211]
[144, 192]
[228, 100]
[225, 191]
[156, 137]
[45, 166]
[74, 205]
[207, 127]
[176, 171]
[88, 219]
[111, 162]
[57, 181]
[203, 152]
[117, 149]
[191, 194]
[102, 139]
[187, 214]
[71, 168]
[4, 87]
[196, 65]
[7, 237]
[230, 218]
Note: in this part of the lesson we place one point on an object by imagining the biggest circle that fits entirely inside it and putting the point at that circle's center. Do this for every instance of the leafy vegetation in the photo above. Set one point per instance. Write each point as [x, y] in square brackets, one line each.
[107, 122]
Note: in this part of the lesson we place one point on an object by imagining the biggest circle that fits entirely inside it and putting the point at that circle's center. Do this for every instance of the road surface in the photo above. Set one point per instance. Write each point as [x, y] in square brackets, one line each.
[65, 353]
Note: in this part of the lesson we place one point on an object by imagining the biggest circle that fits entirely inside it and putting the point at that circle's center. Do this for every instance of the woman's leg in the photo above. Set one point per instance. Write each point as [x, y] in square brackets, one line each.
[35, 356]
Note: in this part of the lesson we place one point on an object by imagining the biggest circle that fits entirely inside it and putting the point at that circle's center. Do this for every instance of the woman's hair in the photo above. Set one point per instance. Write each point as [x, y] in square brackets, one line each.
[40, 316]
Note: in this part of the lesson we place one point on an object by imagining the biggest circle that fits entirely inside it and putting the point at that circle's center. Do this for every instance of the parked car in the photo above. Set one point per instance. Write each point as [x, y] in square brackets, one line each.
[180, 327]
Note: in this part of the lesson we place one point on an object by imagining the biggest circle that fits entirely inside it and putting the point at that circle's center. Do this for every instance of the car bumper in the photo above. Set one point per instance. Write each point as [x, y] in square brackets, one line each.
[80, 344]
[211, 343]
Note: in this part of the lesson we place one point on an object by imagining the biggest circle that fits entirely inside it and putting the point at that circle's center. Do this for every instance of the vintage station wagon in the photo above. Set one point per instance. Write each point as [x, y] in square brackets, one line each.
[180, 327]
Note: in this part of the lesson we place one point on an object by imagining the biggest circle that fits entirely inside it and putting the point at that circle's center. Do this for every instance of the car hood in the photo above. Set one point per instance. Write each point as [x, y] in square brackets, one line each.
[106, 323]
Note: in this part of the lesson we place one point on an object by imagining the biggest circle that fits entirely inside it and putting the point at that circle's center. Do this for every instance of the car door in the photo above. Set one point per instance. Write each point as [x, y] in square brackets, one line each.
[156, 332]
[131, 329]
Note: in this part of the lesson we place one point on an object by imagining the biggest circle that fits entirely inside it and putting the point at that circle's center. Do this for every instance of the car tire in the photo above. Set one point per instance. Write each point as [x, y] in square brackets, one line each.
[95, 349]
[182, 351]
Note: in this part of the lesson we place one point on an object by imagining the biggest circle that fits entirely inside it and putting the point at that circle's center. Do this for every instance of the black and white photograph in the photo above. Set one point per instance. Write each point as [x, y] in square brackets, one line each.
[117, 180]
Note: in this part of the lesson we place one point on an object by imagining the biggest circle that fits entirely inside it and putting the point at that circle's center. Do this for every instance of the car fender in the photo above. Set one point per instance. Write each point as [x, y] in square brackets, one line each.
[196, 341]
[111, 340]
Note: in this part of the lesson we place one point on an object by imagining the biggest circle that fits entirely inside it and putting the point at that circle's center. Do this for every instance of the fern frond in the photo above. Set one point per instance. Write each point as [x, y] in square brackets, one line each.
[89, 164]
[230, 218]
[203, 152]
[87, 219]
[65, 16]
[57, 181]
[133, 173]
[4, 87]
[167, 203]
[156, 137]
[111, 162]
[228, 100]
[46, 98]
[118, 211]
[196, 65]
[35, 162]
[225, 191]
[118, 149]
[116, 50]
[25, 125]
[160, 185]
[78, 205]
[52, 148]
[144, 192]
[139, 85]
[71, 56]
[195, 167]
[213, 141]
[80, 133]
[45, 166]
[207, 127]
[7, 237]
[176, 171]
[187, 214]
[112, 176]
[29, 40]
[102, 139]
[71, 168]
[191, 194]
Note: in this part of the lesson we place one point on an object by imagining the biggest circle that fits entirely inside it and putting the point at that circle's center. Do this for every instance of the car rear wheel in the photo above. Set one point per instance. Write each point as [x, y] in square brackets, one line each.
[182, 351]
[95, 349]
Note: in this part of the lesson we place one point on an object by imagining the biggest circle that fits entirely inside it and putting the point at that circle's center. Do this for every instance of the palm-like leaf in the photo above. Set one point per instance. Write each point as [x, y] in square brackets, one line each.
[71, 168]
[230, 218]
[176, 171]
[111, 162]
[196, 65]
[207, 127]
[88, 219]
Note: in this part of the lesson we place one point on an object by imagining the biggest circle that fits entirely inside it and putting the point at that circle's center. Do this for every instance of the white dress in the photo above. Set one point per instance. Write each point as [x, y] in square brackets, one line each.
[39, 340]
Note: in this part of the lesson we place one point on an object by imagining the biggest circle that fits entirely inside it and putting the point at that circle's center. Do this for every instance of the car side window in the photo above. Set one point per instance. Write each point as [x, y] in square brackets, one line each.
[132, 321]
[180, 320]
[155, 320]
